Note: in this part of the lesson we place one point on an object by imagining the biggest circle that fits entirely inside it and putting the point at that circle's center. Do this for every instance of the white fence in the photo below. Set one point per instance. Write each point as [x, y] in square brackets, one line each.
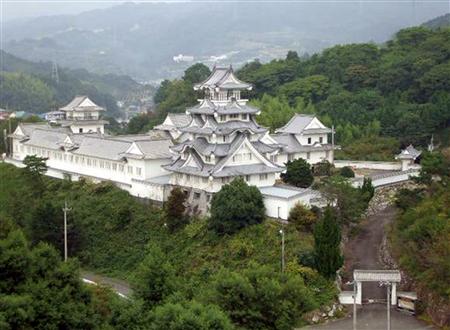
[384, 179]
[371, 165]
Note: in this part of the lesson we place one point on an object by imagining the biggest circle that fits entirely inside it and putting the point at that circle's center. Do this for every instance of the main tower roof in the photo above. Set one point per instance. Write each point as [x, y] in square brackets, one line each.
[222, 78]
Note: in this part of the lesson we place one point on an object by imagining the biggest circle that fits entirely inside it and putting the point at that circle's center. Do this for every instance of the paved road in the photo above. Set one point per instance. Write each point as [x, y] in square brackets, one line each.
[373, 317]
[122, 288]
[362, 251]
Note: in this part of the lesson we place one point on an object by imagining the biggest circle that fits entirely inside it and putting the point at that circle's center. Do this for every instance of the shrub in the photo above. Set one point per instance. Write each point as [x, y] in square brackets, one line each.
[236, 206]
[367, 189]
[154, 280]
[302, 218]
[192, 315]
[298, 173]
[323, 168]
[347, 172]
[261, 298]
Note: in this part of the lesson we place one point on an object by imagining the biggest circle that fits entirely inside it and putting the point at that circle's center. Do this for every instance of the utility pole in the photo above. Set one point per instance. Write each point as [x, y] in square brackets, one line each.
[388, 290]
[354, 305]
[65, 210]
[282, 249]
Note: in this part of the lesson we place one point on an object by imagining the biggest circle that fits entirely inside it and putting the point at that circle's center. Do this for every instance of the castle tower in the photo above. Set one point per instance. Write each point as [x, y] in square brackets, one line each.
[223, 140]
[83, 116]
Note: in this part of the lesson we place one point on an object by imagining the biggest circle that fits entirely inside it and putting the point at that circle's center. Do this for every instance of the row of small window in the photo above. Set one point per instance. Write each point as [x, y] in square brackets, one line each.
[241, 157]
[223, 96]
[83, 160]
[196, 179]
[232, 116]
[247, 178]
[292, 156]
[320, 140]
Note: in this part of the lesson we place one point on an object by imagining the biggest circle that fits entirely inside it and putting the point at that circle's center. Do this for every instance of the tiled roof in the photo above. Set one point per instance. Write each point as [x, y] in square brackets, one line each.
[233, 107]
[290, 144]
[222, 78]
[81, 103]
[297, 124]
[46, 139]
[156, 149]
[283, 192]
[246, 170]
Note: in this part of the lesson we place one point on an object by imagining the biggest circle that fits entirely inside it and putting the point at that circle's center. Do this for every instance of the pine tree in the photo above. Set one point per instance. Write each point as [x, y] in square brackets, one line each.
[327, 239]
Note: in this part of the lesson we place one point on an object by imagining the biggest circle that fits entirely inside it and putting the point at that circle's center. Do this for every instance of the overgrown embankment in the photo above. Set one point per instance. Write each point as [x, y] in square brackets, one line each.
[420, 242]
[112, 233]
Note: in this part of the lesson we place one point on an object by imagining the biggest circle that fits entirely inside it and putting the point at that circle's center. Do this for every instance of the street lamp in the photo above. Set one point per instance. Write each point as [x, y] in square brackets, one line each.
[65, 210]
[354, 302]
[282, 249]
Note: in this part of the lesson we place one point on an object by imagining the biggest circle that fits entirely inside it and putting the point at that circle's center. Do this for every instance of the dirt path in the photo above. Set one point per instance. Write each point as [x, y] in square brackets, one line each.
[362, 251]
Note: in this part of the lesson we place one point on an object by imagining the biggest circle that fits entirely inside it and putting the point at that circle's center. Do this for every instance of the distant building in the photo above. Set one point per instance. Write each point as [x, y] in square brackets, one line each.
[83, 116]
[4, 115]
[54, 116]
[183, 58]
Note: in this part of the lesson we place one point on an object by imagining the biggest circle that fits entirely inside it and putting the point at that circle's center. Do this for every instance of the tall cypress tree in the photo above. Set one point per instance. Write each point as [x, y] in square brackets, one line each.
[327, 239]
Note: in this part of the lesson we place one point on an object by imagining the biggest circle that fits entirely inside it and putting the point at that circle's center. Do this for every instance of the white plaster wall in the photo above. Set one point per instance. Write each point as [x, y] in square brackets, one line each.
[280, 207]
[86, 128]
[153, 167]
[276, 207]
[216, 184]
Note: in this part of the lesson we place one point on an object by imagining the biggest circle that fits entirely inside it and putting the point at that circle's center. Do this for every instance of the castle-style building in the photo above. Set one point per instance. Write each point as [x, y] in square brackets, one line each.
[201, 150]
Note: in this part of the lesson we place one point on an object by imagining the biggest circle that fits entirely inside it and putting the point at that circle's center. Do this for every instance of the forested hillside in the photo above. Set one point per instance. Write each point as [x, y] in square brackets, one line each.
[438, 22]
[141, 39]
[29, 86]
[375, 95]
[236, 276]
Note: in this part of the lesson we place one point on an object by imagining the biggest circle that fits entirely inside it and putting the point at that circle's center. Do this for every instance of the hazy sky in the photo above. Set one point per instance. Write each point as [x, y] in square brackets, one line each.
[13, 9]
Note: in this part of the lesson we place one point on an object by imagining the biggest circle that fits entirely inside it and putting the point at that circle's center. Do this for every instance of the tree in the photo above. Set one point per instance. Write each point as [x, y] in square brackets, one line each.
[260, 298]
[190, 315]
[38, 291]
[327, 240]
[154, 279]
[347, 172]
[175, 209]
[302, 218]
[367, 189]
[236, 206]
[35, 165]
[196, 73]
[298, 173]
[349, 202]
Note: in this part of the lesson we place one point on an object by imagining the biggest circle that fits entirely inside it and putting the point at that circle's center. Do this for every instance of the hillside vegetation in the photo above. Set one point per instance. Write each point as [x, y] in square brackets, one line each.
[141, 39]
[420, 237]
[378, 97]
[28, 86]
[112, 233]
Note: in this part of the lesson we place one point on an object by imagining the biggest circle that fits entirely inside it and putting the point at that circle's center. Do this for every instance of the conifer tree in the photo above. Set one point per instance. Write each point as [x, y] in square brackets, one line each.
[175, 210]
[367, 189]
[327, 239]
